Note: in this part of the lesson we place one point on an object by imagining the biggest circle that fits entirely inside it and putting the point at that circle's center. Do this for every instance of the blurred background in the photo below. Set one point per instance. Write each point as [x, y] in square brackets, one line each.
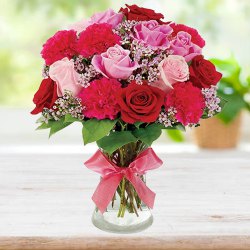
[26, 24]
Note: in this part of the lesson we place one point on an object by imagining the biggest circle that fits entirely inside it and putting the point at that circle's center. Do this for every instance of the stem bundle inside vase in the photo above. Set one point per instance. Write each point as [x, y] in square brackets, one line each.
[126, 193]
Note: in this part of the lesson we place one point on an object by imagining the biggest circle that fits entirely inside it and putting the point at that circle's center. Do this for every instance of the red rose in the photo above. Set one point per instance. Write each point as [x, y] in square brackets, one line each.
[203, 73]
[96, 39]
[140, 103]
[46, 96]
[195, 36]
[134, 12]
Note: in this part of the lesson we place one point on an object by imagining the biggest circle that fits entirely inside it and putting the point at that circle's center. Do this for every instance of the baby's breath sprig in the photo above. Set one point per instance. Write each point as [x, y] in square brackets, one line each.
[67, 104]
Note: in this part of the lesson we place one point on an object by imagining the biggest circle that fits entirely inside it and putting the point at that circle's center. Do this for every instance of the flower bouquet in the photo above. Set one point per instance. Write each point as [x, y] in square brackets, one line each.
[125, 76]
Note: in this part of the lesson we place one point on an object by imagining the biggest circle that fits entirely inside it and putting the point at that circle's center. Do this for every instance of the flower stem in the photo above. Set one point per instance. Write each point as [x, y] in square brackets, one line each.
[122, 203]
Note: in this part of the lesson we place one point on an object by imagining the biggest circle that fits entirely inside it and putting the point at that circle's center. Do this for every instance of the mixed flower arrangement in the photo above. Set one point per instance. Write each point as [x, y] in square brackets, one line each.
[126, 76]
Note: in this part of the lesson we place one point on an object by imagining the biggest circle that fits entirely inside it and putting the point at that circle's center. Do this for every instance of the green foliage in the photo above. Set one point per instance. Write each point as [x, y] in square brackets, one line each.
[94, 129]
[175, 132]
[175, 135]
[178, 126]
[138, 124]
[54, 126]
[231, 88]
[57, 126]
[44, 126]
[69, 118]
[148, 134]
[115, 140]
[235, 103]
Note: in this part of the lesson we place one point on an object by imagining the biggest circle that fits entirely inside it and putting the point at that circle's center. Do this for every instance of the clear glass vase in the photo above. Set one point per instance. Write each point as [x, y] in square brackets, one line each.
[126, 213]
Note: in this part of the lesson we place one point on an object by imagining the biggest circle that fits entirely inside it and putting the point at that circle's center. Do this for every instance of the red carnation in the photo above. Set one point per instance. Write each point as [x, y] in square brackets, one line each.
[46, 96]
[100, 99]
[97, 38]
[188, 102]
[195, 36]
[140, 103]
[134, 12]
[203, 73]
[62, 44]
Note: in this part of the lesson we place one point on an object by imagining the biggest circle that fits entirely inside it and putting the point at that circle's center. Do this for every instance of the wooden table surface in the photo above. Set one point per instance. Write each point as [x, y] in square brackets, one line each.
[203, 201]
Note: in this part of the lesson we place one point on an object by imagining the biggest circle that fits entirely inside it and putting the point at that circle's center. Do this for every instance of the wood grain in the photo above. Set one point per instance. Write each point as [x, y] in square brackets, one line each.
[136, 243]
[203, 202]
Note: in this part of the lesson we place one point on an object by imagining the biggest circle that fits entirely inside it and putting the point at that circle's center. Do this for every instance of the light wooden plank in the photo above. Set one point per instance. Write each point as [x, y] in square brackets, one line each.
[125, 243]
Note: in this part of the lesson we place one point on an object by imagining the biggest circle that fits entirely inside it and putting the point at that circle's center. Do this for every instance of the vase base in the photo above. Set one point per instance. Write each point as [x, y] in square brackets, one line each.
[130, 223]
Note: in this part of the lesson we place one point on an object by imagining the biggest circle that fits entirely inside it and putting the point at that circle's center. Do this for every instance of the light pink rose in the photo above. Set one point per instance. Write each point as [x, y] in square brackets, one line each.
[114, 63]
[64, 74]
[108, 16]
[172, 69]
[183, 46]
[151, 33]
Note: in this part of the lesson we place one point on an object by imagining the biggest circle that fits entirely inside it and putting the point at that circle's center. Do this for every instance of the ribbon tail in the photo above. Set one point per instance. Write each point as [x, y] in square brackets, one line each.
[146, 194]
[106, 190]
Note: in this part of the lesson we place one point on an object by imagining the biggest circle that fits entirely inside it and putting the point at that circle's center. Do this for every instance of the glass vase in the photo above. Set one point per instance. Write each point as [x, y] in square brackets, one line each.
[126, 213]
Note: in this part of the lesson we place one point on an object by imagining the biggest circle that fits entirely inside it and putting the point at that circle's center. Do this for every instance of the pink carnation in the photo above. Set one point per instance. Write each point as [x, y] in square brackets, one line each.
[188, 102]
[96, 39]
[100, 99]
[61, 45]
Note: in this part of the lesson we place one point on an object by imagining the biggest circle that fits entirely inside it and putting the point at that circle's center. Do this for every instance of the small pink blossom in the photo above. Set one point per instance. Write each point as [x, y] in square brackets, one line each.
[108, 16]
[183, 46]
[153, 34]
[114, 63]
[64, 74]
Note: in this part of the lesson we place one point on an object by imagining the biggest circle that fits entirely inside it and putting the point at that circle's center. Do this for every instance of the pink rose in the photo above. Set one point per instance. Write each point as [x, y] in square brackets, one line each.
[64, 74]
[183, 46]
[114, 63]
[150, 32]
[172, 69]
[108, 16]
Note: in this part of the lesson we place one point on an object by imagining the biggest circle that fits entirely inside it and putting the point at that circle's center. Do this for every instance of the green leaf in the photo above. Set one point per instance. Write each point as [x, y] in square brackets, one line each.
[70, 118]
[223, 102]
[175, 135]
[94, 129]
[148, 134]
[44, 126]
[138, 124]
[177, 126]
[56, 126]
[115, 140]
[180, 127]
[40, 120]
[234, 105]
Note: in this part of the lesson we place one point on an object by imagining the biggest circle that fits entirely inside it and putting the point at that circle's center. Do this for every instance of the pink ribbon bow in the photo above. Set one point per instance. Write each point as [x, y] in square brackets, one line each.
[112, 176]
